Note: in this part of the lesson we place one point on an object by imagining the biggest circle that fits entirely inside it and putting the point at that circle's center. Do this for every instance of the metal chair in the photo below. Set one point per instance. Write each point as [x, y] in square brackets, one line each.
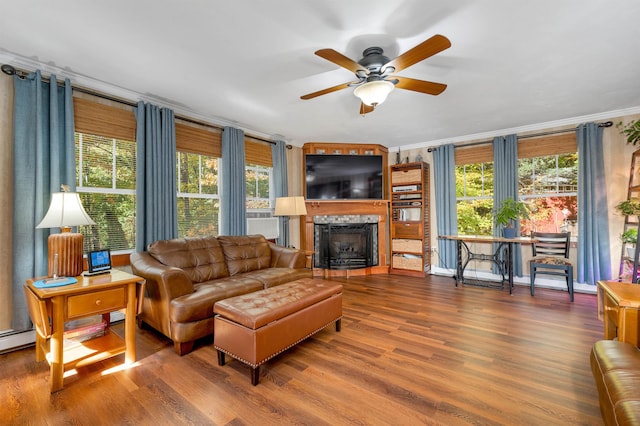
[551, 257]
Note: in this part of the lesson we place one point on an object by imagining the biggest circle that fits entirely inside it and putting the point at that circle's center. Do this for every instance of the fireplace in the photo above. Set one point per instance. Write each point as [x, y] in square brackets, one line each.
[345, 245]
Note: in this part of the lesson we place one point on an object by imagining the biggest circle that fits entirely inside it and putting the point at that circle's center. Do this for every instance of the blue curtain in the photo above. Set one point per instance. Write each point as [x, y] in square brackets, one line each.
[233, 210]
[505, 185]
[444, 170]
[280, 186]
[156, 198]
[594, 255]
[43, 159]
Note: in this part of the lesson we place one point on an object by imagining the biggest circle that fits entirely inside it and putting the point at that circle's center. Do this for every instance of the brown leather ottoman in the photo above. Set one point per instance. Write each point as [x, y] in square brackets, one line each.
[255, 327]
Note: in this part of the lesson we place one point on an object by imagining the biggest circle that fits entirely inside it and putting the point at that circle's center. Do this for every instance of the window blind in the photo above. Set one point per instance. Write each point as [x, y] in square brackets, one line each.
[564, 143]
[95, 118]
[198, 139]
[257, 152]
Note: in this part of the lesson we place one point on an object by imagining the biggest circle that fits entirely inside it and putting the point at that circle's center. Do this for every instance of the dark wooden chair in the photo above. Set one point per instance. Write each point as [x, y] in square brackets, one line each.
[551, 257]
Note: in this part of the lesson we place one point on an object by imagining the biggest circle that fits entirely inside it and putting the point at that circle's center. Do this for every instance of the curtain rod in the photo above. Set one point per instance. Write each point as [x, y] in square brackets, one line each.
[533, 135]
[11, 70]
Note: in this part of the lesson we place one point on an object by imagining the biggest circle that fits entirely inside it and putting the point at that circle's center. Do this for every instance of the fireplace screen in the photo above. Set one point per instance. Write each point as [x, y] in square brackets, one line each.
[346, 245]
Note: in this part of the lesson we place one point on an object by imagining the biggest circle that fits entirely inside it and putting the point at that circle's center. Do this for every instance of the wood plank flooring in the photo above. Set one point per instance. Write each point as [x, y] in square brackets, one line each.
[411, 351]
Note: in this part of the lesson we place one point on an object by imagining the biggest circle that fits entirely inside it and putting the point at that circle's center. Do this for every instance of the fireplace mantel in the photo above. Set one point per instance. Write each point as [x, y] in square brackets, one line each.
[379, 208]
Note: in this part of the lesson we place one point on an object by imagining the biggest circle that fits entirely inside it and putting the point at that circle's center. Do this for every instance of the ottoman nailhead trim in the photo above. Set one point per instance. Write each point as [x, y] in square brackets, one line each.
[280, 351]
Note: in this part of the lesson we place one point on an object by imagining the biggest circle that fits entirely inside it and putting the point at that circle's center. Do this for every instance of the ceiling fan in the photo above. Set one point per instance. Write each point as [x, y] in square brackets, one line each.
[375, 72]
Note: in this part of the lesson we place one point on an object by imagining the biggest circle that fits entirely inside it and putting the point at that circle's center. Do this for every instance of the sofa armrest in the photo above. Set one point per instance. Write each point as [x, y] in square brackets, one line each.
[167, 281]
[283, 257]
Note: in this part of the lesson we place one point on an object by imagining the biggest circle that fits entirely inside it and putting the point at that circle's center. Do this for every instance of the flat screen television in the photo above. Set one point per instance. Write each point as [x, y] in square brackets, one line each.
[344, 177]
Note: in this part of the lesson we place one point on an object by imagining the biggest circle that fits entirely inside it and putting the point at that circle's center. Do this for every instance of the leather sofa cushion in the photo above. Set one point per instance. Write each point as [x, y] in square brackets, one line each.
[257, 309]
[622, 387]
[202, 259]
[614, 355]
[627, 412]
[275, 276]
[199, 304]
[616, 370]
[245, 253]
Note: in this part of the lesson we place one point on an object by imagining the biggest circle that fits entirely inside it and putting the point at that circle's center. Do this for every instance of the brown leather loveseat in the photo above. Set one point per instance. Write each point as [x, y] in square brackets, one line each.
[616, 370]
[186, 276]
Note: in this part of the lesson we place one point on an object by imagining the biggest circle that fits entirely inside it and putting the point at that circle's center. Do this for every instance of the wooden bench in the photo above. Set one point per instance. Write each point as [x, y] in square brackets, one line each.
[255, 327]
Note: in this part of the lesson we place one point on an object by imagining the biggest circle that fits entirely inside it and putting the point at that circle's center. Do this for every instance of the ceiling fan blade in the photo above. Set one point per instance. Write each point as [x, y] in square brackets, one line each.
[341, 60]
[427, 48]
[325, 91]
[421, 86]
[365, 109]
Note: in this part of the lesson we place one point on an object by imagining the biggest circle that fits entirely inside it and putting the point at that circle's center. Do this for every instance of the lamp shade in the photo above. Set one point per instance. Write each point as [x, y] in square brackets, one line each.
[65, 210]
[374, 93]
[290, 206]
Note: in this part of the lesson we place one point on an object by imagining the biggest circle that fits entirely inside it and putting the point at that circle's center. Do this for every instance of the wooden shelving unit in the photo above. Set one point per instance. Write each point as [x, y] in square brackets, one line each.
[410, 203]
[629, 264]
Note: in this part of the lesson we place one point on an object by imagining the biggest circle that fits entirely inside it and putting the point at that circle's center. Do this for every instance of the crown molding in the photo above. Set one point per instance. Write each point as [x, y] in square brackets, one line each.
[574, 121]
[127, 95]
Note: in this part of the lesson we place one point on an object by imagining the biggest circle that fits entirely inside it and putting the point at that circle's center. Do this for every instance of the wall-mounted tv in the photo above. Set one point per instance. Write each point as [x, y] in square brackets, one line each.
[344, 177]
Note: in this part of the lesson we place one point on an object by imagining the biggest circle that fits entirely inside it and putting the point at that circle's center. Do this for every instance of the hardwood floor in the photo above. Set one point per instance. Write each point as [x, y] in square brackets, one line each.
[411, 351]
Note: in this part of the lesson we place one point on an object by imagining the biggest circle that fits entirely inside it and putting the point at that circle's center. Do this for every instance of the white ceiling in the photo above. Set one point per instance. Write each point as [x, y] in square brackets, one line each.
[513, 65]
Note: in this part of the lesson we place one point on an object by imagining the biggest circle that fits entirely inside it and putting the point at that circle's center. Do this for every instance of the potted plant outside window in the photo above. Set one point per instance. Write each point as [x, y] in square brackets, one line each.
[508, 213]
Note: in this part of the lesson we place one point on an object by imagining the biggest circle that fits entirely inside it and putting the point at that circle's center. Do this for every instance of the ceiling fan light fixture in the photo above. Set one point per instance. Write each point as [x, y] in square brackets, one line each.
[373, 93]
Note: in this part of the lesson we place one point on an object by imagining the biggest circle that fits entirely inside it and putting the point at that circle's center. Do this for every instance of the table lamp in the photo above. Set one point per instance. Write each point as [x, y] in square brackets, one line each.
[65, 248]
[290, 206]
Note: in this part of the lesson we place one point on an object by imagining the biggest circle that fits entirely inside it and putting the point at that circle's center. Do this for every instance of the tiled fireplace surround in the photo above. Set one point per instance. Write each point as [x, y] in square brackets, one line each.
[348, 212]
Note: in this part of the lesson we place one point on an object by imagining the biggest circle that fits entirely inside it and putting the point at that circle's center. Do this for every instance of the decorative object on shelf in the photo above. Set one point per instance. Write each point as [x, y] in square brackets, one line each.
[65, 249]
[508, 213]
[631, 130]
[630, 237]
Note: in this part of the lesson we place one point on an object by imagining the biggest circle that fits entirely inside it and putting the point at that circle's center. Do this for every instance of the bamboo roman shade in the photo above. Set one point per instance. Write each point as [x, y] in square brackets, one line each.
[548, 145]
[257, 152]
[103, 120]
[474, 154]
[564, 143]
[197, 139]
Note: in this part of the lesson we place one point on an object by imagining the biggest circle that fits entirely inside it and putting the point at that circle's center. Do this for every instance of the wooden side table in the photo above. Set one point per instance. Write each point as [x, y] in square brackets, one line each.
[619, 307]
[51, 307]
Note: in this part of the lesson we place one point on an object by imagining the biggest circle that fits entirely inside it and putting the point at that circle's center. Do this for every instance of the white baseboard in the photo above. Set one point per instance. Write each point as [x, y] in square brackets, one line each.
[17, 340]
[542, 282]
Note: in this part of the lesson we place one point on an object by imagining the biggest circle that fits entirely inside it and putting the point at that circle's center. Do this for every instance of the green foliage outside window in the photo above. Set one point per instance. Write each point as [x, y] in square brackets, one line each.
[474, 190]
[198, 203]
[257, 180]
[548, 184]
[105, 179]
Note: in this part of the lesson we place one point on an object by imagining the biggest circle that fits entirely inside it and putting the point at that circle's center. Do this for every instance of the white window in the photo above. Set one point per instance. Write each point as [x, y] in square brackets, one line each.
[474, 198]
[550, 185]
[198, 201]
[106, 182]
[258, 189]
